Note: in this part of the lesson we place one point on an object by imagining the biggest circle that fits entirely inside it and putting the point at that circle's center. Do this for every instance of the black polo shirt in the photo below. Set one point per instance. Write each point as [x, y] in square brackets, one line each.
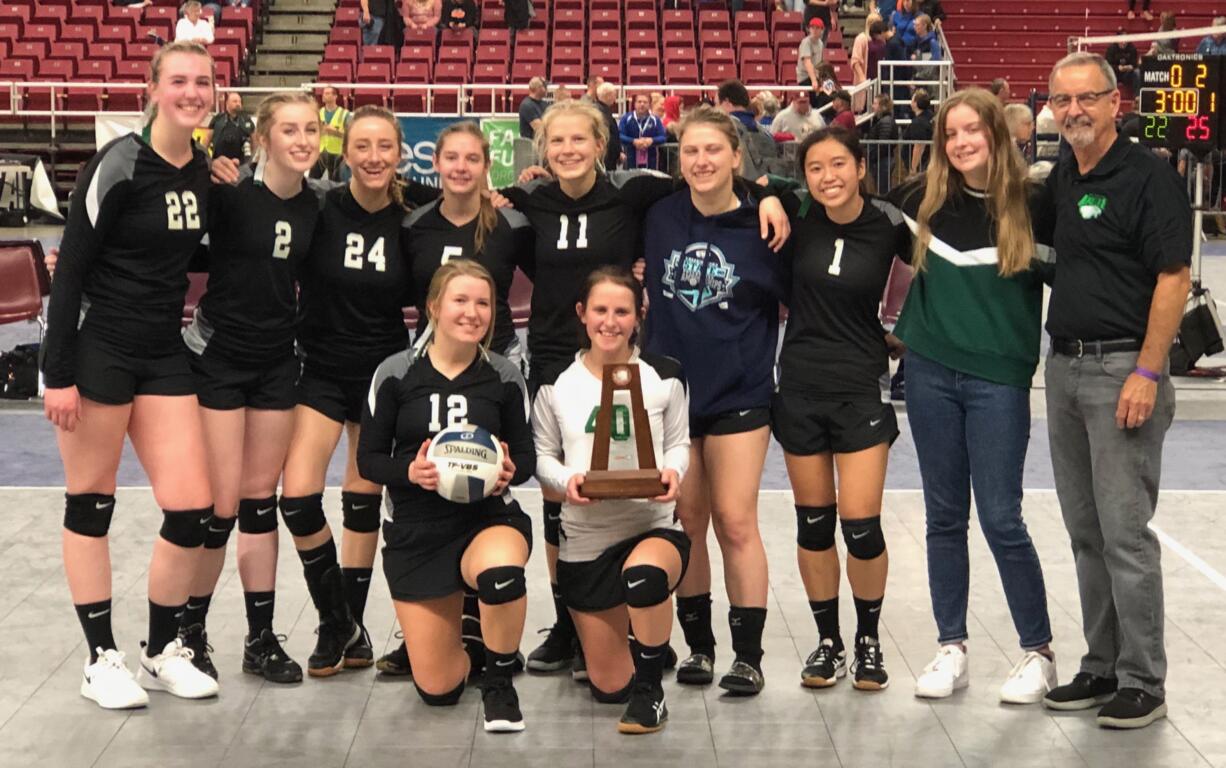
[1117, 227]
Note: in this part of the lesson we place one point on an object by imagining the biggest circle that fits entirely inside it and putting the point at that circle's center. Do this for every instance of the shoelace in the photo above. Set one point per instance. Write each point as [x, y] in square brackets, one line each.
[1022, 662]
[822, 655]
[870, 656]
[945, 653]
[113, 659]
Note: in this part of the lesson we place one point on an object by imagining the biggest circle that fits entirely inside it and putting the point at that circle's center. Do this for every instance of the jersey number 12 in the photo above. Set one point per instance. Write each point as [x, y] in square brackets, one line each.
[564, 228]
[457, 411]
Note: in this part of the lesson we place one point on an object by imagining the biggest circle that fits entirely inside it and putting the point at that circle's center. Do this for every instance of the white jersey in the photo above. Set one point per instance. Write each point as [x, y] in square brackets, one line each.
[563, 426]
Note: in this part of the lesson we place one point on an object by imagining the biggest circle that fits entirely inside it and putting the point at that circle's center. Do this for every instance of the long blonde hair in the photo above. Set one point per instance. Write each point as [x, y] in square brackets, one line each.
[265, 114]
[487, 217]
[1007, 192]
[155, 69]
[450, 271]
[395, 188]
[577, 108]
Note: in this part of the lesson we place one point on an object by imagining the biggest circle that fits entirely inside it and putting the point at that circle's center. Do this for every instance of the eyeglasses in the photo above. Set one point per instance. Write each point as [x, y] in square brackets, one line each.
[1089, 99]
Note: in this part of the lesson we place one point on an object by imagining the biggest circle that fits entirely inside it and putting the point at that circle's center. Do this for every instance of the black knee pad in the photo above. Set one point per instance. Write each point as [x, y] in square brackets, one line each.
[257, 515]
[218, 531]
[645, 585]
[88, 514]
[815, 527]
[185, 528]
[360, 511]
[449, 699]
[304, 515]
[553, 522]
[614, 697]
[864, 538]
[503, 584]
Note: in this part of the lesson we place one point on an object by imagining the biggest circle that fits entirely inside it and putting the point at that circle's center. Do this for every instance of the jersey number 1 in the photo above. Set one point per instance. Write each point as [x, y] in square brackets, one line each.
[564, 228]
[836, 267]
[457, 411]
[181, 211]
[355, 247]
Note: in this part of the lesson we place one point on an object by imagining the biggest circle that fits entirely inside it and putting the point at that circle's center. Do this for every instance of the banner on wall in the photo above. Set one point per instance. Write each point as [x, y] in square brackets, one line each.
[501, 134]
[418, 150]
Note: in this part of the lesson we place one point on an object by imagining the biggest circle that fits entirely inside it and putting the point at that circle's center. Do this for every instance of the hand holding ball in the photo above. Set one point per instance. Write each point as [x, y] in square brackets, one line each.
[468, 464]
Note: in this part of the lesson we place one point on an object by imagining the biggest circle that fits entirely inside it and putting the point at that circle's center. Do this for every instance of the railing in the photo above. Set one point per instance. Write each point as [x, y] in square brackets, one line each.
[899, 78]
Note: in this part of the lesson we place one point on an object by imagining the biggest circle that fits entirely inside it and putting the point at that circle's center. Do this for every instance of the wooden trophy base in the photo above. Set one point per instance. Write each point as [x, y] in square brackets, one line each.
[623, 484]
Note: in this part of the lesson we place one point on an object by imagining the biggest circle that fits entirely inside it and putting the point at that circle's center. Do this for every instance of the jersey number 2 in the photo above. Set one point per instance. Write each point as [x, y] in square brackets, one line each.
[181, 211]
[280, 245]
[355, 247]
[564, 228]
[457, 411]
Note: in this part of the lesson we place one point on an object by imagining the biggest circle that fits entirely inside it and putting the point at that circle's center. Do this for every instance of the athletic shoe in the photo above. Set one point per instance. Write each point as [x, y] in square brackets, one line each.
[555, 654]
[646, 712]
[578, 667]
[1084, 692]
[335, 639]
[196, 639]
[1131, 708]
[743, 679]
[109, 683]
[868, 667]
[1030, 679]
[360, 655]
[264, 656]
[946, 673]
[172, 671]
[502, 713]
[670, 658]
[824, 666]
[697, 669]
[395, 663]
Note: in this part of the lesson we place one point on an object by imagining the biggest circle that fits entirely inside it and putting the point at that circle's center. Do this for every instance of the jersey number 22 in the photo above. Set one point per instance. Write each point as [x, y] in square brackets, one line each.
[181, 211]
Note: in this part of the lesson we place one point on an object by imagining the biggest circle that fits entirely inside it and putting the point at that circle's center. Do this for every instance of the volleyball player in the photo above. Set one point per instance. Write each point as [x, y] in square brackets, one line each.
[619, 560]
[242, 340]
[434, 548]
[114, 363]
[827, 412]
[353, 288]
[714, 290]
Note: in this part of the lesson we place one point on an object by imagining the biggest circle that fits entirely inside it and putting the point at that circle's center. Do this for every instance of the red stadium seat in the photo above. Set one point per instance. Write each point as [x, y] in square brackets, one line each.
[490, 36]
[677, 20]
[523, 71]
[716, 37]
[446, 74]
[462, 37]
[783, 20]
[426, 38]
[335, 72]
[413, 72]
[644, 20]
[530, 53]
[758, 56]
[494, 52]
[567, 56]
[21, 296]
[747, 20]
[642, 38]
[417, 53]
[642, 57]
[720, 55]
[708, 20]
[95, 70]
[141, 51]
[610, 72]
[643, 74]
[680, 72]
[73, 50]
[533, 37]
[112, 52]
[81, 33]
[493, 16]
[718, 71]
[232, 35]
[378, 54]
[57, 69]
[568, 37]
[757, 73]
[566, 74]
[605, 19]
[605, 54]
[345, 53]
[680, 53]
[683, 37]
[115, 33]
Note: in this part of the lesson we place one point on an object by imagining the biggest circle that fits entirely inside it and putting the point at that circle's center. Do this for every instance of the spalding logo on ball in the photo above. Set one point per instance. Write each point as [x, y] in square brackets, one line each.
[468, 459]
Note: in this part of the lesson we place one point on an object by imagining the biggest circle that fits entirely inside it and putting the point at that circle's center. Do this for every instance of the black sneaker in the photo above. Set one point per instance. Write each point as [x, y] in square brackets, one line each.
[646, 712]
[264, 656]
[868, 667]
[361, 654]
[742, 679]
[502, 713]
[335, 638]
[395, 663]
[555, 654]
[824, 666]
[578, 667]
[697, 669]
[1084, 692]
[1131, 708]
[195, 638]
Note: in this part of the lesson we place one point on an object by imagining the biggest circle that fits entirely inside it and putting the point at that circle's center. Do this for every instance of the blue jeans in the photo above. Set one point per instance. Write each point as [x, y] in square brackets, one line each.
[370, 34]
[972, 434]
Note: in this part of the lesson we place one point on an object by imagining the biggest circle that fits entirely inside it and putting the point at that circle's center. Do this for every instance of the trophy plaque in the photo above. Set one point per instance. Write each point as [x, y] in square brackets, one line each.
[602, 483]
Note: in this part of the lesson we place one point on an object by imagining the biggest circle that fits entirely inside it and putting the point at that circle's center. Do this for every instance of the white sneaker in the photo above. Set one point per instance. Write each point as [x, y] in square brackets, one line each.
[172, 671]
[1029, 680]
[109, 683]
[944, 674]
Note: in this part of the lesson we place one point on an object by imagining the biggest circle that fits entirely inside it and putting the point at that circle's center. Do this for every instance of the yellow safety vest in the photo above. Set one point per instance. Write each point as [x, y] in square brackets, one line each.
[333, 145]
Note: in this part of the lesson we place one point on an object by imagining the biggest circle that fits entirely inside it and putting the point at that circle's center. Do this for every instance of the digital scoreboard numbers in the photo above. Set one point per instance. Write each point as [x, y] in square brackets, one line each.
[1181, 102]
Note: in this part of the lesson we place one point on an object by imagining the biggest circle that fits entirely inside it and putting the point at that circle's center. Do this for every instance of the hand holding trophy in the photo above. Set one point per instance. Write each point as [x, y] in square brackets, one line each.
[602, 483]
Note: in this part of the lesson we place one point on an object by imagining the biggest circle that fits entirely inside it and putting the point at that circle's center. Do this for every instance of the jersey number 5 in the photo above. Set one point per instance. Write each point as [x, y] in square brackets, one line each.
[280, 245]
[355, 247]
[181, 211]
[457, 411]
[564, 228]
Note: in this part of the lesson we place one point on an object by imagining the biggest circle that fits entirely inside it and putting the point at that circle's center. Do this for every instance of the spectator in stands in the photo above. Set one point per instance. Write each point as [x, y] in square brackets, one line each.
[859, 56]
[229, 134]
[927, 42]
[842, 111]
[819, 9]
[593, 85]
[672, 115]
[758, 149]
[903, 22]
[606, 102]
[895, 50]
[790, 5]
[919, 132]
[657, 106]
[878, 34]
[372, 20]
[421, 15]
[333, 121]
[460, 14]
[1021, 126]
[809, 55]
[827, 84]
[933, 10]
[134, 3]
[1166, 23]
[797, 119]
[768, 107]
[641, 132]
[532, 108]
[1000, 89]
[192, 27]
[1132, 10]
[1047, 134]
[1214, 45]
[881, 156]
[1124, 60]
[217, 7]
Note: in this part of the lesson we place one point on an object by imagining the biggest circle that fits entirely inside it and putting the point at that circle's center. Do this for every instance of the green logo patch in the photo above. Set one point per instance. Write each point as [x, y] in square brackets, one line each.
[1092, 206]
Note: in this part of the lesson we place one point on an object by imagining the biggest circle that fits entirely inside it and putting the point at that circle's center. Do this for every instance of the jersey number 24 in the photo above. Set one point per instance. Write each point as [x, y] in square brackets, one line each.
[355, 248]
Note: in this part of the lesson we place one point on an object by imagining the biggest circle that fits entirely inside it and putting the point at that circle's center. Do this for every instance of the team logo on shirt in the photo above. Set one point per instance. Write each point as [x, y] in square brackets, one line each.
[699, 276]
[1091, 206]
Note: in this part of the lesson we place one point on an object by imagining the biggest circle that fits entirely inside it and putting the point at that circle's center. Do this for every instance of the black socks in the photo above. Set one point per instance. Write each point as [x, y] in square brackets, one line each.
[96, 621]
[499, 665]
[868, 613]
[163, 626]
[746, 625]
[649, 662]
[565, 624]
[694, 614]
[316, 562]
[357, 587]
[260, 606]
[196, 610]
[826, 616]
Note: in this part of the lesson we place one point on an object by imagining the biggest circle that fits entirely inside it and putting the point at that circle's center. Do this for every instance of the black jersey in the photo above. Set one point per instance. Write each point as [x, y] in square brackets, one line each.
[257, 246]
[431, 240]
[353, 289]
[410, 402]
[574, 237]
[834, 345]
[133, 225]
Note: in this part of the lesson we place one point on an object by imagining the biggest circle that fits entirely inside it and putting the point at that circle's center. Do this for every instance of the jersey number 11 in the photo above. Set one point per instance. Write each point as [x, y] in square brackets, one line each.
[564, 228]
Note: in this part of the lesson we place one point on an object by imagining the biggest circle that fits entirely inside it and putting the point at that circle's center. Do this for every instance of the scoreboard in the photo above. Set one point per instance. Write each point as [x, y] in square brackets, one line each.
[1182, 102]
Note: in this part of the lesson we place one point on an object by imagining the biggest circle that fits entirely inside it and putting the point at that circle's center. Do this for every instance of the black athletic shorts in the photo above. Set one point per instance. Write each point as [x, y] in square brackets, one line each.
[804, 426]
[596, 585]
[730, 422]
[224, 386]
[421, 558]
[339, 399]
[111, 377]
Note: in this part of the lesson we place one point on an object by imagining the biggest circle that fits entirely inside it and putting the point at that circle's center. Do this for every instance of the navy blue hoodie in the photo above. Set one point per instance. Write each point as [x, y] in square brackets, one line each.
[714, 287]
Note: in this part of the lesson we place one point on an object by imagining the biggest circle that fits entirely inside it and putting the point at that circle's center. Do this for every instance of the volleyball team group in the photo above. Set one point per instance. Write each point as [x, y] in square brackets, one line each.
[301, 337]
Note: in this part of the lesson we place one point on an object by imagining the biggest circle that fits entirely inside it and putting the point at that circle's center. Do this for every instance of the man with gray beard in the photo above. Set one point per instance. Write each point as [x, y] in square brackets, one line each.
[1123, 237]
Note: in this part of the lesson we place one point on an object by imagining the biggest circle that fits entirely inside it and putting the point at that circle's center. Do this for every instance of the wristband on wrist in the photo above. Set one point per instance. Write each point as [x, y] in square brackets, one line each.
[1147, 374]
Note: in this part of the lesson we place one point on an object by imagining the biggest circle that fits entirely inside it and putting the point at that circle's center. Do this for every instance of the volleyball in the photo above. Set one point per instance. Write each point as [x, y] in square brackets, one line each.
[469, 459]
